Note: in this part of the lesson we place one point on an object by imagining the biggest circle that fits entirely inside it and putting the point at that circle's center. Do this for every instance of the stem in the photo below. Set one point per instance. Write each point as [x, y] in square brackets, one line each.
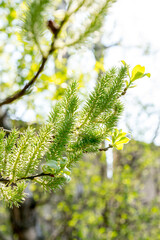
[106, 149]
[24, 90]
[124, 91]
[35, 176]
[126, 88]
[7, 181]
[9, 131]
[5, 130]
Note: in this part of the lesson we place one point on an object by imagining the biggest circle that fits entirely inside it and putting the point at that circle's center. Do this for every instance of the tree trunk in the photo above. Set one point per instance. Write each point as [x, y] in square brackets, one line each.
[24, 221]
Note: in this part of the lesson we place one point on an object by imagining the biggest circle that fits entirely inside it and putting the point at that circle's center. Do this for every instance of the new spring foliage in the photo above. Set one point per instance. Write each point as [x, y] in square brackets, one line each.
[47, 157]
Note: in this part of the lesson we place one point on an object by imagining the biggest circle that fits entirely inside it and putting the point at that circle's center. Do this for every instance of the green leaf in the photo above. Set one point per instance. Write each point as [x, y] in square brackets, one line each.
[67, 178]
[121, 135]
[63, 161]
[137, 72]
[147, 74]
[127, 83]
[66, 171]
[123, 141]
[119, 146]
[52, 164]
[50, 167]
[124, 63]
[108, 139]
[119, 139]
[133, 86]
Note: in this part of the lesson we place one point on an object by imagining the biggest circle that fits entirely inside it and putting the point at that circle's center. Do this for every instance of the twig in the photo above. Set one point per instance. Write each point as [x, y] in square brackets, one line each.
[3, 180]
[102, 149]
[113, 45]
[156, 130]
[5, 130]
[7, 181]
[35, 176]
[124, 91]
[106, 149]
[9, 131]
[24, 90]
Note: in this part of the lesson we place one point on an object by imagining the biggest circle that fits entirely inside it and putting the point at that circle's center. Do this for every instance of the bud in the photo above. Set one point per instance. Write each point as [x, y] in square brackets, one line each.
[53, 26]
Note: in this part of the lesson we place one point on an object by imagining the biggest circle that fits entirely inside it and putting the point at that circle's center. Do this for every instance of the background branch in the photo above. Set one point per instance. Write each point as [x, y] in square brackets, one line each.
[156, 130]
[26, 88]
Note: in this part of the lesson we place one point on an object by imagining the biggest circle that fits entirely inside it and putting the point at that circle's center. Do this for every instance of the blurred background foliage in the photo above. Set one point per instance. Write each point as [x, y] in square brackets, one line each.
[92, 206]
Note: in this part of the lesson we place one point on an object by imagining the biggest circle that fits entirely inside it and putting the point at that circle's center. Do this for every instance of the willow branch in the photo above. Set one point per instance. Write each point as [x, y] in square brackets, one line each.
[5, 130]
[124, 91]
[7, 181]
[102, 149]
[35, 176]
[105, 149]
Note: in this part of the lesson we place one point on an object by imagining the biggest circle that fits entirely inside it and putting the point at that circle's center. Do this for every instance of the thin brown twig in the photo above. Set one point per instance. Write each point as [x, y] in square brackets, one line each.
[9, 131]
[124, 91]
[156, 130]
[102, 149]
[5, 130]
[7, 181]
[35, 176]
[26, 88]
[23, 91]
[105, 149]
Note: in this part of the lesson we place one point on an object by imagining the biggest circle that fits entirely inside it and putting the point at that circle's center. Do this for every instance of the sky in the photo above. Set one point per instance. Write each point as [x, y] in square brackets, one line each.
[136, 23]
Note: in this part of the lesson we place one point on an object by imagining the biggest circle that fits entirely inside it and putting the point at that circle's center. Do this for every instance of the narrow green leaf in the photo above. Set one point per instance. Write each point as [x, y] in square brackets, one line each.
[123, 141]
